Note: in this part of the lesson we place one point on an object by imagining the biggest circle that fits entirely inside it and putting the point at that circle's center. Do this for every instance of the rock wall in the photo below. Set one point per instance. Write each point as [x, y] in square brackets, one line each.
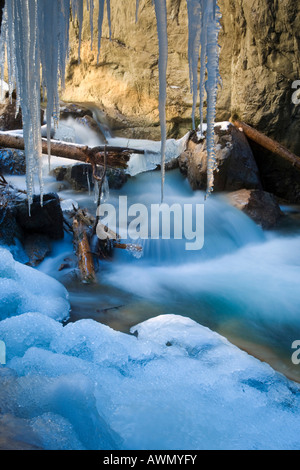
[260, 52]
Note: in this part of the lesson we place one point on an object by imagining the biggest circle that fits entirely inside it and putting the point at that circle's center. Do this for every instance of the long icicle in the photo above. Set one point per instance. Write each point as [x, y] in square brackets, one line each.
[161, 18]
[211, 86]
[204, 26]
[194, 18]
[100, 24]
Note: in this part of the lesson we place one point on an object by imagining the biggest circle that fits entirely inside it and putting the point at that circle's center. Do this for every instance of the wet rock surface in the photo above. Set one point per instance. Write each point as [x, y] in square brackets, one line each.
[37, 247]
[80, 176]
[237, 168]
[260, 206]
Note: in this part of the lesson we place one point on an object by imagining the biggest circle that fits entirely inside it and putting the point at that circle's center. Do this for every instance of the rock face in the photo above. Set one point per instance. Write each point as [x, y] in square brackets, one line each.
[8, 119]
[33, 233]
[260, 52]
[236, 165]
[260, 206]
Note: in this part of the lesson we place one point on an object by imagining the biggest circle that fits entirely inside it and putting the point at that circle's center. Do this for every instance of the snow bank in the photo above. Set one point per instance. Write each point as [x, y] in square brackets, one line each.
[22, 290]
[172, 385]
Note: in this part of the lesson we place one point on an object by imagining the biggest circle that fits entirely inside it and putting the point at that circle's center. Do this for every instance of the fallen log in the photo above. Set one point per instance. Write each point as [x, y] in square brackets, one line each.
[83, 251]
[268, 143]
[117, 157]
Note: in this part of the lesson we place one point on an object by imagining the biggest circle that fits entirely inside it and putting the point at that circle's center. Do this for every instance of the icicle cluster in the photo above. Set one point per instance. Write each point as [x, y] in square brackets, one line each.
[204, 26]
[35, 37]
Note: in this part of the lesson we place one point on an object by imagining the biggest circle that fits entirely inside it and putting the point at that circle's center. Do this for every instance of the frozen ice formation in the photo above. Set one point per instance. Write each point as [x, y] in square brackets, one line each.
[35, 36]
[172, 385]
[23, 289]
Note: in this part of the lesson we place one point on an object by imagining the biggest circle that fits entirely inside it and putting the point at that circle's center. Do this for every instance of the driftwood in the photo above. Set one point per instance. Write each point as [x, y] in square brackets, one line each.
[117, 157]
[84, 236]
[268, 143]
[82, 247]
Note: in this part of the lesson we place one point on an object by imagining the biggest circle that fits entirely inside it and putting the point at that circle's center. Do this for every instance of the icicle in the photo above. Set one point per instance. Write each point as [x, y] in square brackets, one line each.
[161, 17]
[100, 24]
[91, 8]
[211, 86]
[105, 190]
[96, 191]
[88, 181]
[203, 40]
[137, 10]
[20, 32]
[77, 8]
[109, 17]
[53, 42]
[194, 17]
[204, 26]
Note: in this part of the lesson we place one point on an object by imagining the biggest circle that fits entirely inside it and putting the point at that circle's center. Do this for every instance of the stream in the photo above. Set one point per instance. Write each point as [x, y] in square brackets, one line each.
[243, 284]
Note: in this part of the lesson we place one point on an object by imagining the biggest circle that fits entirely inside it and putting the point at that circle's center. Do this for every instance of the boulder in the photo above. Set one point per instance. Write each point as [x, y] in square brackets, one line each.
[260, 206]
[37, 247]
[45, 220]
[74, 110]
[80, 176]
[236, 165]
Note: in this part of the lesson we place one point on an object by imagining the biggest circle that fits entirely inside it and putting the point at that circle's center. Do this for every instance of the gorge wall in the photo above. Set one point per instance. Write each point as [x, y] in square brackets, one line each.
[260, 52]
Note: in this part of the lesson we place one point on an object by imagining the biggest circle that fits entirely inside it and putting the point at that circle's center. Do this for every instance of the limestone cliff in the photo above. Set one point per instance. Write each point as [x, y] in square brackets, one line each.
[260, 52]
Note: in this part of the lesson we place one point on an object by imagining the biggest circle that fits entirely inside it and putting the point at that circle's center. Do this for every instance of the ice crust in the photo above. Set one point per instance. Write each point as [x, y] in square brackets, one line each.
[170, 384]
[23, 290]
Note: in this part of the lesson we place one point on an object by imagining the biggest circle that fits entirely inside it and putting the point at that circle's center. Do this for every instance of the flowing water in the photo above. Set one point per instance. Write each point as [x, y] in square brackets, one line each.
[244, 283]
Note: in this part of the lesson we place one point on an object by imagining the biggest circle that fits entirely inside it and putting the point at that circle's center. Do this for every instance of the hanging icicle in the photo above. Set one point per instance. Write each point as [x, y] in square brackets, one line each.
[204, 26]
[54, 19]
[20, 34]
[161, 18]
[137, 10]
[194, 18]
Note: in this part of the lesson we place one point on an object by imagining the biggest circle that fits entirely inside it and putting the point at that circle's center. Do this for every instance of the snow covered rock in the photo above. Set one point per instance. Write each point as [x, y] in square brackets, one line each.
[236, 167]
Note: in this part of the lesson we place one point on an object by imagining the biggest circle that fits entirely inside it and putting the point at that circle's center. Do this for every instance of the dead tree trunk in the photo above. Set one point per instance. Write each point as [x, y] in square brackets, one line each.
[117, 157]
[268, 143]
[83, 251]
